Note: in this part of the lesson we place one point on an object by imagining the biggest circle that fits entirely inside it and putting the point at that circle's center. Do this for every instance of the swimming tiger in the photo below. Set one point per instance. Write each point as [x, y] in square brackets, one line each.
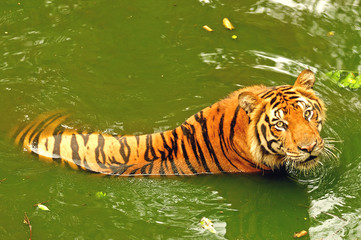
[254, 129]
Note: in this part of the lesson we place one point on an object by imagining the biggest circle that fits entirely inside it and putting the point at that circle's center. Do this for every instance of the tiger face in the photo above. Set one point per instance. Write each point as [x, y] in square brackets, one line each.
[285, 124]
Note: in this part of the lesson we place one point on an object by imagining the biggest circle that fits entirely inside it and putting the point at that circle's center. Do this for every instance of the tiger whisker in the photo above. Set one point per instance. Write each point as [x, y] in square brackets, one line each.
[332, 140]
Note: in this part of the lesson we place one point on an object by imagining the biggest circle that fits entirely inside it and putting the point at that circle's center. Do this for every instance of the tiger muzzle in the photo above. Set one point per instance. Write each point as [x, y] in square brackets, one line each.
[308, 148]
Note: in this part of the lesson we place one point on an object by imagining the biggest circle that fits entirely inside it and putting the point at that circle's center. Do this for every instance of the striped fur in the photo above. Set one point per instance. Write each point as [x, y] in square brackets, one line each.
[241, 133]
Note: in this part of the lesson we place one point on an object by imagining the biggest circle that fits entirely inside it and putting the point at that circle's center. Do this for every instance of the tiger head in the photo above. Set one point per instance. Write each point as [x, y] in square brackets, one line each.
[285, 124]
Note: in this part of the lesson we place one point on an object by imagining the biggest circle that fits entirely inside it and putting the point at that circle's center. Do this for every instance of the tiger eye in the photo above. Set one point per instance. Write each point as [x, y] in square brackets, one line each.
[307, 113]
[280, 124]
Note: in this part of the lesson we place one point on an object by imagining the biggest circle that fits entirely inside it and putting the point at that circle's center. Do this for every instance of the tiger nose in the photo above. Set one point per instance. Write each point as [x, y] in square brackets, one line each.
[308, 148]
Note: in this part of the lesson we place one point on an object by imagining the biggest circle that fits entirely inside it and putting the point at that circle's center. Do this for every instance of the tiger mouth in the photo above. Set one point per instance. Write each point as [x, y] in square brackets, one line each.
[310, 158]
[308, 163]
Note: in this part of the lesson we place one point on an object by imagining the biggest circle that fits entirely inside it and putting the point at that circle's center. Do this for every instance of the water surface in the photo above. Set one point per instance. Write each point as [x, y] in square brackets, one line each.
[145, 66]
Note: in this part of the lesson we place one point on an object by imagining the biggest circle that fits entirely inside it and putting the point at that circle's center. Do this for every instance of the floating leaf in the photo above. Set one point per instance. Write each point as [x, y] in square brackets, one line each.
[100, 195]
[207, 224]
[227, 24]
[300, 234]
[331, 34]
[208, 28]
[357, 84]
[43, 207]
[345, 79]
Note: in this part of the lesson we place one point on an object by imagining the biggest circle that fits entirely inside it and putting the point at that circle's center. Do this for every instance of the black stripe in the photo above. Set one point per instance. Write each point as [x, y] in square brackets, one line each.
[191, 139]
[84, 161]
[317, 107]
[257, 135]
[264, 151]
[186, 159]
[124, 149]
[267, 94]
[85, 138]
[231, 135]
[289, 92]
[293, 97]
[203, 122]
[276, 104]
[203, 160]
[99, 150]
[273, 100]
[163, 162]
[164, 156]
[222, 141]
[137, 139]
[133, 172]
[75, 150]
[269, 142]
[264, 131]
[57, 142]
[233, 123]
[285, 88]
[174, 142]
[266, 118]
[118, 168]
[221, 133]
[150, 149]
[143, 170]
[269, 145]
[169, 155]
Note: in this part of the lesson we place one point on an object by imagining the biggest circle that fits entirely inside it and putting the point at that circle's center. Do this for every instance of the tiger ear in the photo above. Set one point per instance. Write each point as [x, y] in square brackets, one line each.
[248, 101]
[306, 79]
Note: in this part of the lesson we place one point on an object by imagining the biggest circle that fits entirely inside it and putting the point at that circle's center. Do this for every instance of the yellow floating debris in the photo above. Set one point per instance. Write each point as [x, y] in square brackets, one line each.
[208, 28]
[331, 34]
[207, 224]
[300, 234]
[234, 37]
[227, 24]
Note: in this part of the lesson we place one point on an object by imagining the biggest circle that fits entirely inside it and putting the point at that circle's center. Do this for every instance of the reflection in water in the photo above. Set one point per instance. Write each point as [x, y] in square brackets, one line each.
[218, 58]
[278, 63]
[314, 6]
[342, 51]
[334, 219]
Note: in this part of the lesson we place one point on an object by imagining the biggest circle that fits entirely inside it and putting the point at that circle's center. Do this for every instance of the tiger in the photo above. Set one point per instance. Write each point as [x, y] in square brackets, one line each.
[255, 129]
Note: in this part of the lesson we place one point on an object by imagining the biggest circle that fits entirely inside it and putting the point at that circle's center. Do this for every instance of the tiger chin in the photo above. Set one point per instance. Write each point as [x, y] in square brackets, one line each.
[254, 129]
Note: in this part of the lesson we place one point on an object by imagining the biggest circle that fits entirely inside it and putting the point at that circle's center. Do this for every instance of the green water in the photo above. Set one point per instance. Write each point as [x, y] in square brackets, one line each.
[131, 67]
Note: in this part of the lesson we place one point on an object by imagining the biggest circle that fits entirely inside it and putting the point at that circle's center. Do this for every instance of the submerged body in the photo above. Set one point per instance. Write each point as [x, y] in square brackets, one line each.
[254, 129]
